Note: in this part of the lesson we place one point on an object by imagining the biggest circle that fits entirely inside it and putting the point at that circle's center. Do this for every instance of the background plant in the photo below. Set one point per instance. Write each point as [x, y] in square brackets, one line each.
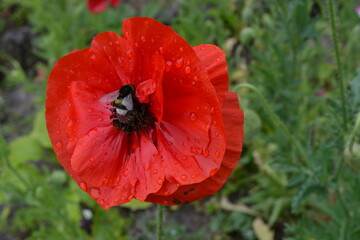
[282, 47]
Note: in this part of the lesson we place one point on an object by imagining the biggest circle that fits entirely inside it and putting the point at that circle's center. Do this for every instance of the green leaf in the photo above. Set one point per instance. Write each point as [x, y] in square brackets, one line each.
[136, 205]
[39, 132]
[23, 149]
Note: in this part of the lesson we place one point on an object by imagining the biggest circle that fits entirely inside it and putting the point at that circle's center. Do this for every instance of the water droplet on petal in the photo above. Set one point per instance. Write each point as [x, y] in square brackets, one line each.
[59, 144]
[213, 172]
[95, 193]
[212, 109]
[160, 181]
[126, 34]
[205, 152]
[187, 69]
[161, 49]
[120, 61]
[142, 38]
[168, 66]
[106, 180]
[194, 150]
[83, 186]
[181, 49]
[184, 158]
[179, 62]
[93, 57]
[196, 78]
[155, 171]
[58, 131]
[217, 154]
[183, 177]
[193, 116]
[92, 159]
[129, 53]
[193, 176]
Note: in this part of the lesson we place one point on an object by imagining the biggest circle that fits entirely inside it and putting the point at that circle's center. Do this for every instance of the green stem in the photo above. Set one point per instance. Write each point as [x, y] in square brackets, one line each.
[354, 133]
[338, 61]
[159, 226]
[276, 120]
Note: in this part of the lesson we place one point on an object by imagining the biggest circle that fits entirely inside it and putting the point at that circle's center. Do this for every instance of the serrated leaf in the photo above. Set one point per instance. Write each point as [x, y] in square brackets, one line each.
[311, 186]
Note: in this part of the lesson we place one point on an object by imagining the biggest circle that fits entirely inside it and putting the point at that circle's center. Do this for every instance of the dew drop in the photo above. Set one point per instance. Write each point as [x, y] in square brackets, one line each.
[125, 173]
[193, 117]
[212, 109]
[106, 180]
[58, 131]
[181, 49]
[184, 157]
[92, 159]
[193, 176]
[129, 53]
[59, 144]
[217, 154]
[160, 181]
[101, 119]
[161, 49]
[93, 57]
[83, 186]
[126, 34]
[101, 201]
[196, 78]
[168, 66]
[179, 62]
[142, 38]
[120, 61]
[205, 152]
[183, 177]
[216, 134]
[187, 69]
[155, 171]
[136, 44]
[95, 193]
[213, 172]
[194, 150]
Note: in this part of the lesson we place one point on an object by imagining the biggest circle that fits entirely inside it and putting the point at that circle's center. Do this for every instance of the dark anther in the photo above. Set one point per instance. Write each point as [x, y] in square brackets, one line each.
[128, 114]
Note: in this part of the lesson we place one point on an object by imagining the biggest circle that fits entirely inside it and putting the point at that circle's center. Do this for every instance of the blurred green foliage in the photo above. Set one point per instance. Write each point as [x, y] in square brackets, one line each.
[283, 47]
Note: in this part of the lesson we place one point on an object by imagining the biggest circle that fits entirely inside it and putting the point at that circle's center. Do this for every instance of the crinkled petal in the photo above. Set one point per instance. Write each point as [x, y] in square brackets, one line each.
[233, 120]
[117, 53]
[213, 59]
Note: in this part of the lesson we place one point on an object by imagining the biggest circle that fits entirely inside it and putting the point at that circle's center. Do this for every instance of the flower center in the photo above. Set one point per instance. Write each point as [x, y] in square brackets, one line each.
[128, 114]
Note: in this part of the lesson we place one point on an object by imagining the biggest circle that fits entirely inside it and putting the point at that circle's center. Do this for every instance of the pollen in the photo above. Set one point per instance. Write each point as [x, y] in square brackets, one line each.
[117, 101]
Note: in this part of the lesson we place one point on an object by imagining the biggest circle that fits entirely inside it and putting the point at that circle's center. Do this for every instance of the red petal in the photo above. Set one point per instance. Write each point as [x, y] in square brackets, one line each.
[233, 119]
[96, 6]
[114, 3]
[213, 59]
[121, 168]
[117, 53]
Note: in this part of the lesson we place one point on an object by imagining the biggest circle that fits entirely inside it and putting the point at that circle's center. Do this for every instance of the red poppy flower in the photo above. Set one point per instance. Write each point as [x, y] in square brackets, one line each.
[144, 116]
[96, 6]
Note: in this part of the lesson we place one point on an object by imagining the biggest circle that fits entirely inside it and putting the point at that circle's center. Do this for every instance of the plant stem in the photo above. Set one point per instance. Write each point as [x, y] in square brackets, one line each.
[159, 226]
[276, 120]
[338, 61]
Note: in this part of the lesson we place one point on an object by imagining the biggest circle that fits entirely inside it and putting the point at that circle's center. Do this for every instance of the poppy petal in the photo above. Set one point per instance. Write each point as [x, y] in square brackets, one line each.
[115, 52]
[213, 59]
[96, 6]
[233, 120]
